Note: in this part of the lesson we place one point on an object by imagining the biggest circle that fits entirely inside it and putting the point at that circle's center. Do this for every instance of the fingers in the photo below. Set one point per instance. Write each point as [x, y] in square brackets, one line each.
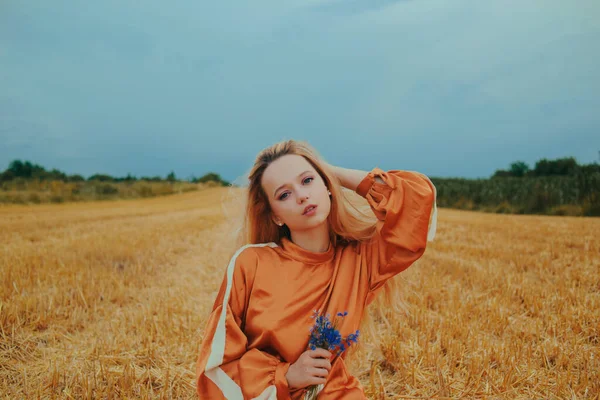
[320, 353]
[322, 363]
[317, 381]
[319, 372]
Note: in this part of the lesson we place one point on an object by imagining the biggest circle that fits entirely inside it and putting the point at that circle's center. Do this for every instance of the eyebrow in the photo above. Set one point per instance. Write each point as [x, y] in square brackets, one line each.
[299, 175]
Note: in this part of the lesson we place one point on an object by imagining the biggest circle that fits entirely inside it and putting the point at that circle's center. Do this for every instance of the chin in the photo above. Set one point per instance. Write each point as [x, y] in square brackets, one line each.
[314, 222]
[320, 219]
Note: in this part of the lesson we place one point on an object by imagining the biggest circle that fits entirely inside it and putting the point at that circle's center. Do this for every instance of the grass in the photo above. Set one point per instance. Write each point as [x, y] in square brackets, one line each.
[30, 192]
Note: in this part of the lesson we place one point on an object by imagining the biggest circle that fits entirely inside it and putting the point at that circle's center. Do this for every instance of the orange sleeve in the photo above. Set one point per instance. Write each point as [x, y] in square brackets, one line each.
[225, 369]
[402, 205]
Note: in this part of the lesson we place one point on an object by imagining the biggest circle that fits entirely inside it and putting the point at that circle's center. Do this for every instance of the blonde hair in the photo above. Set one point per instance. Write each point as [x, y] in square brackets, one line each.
[350, 221]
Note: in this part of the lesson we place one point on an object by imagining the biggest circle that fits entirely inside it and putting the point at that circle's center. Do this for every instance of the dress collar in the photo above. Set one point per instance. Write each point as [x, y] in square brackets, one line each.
[301, 254]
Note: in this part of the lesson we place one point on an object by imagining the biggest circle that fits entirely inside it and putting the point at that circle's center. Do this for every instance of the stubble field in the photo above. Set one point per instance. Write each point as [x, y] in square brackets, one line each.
[109, 300]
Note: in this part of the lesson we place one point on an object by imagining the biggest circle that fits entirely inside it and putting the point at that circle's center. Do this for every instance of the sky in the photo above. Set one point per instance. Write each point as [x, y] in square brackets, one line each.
[449, 88]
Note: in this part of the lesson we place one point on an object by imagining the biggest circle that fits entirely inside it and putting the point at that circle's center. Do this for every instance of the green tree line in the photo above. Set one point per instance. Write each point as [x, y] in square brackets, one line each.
[567, 166]
[28, 170]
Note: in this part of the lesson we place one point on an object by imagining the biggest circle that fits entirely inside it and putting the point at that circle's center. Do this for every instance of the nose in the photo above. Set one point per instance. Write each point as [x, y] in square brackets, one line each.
[302, 196]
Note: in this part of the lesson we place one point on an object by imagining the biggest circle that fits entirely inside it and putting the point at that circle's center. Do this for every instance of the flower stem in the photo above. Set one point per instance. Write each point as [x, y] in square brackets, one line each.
[313, 392]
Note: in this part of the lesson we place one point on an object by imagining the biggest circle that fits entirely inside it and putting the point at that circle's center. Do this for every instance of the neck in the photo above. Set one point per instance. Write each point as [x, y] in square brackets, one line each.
[316, 239]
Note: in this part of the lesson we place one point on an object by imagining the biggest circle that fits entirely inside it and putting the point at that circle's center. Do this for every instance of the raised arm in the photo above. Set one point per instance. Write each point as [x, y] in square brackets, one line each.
[402, 201]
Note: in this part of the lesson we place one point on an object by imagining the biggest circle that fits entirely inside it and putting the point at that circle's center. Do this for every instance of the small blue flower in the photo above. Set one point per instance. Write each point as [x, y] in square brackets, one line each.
[325, 334]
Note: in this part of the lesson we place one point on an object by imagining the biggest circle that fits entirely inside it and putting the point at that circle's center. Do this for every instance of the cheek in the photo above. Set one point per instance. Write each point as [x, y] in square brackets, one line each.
[285, 212]
[276, 209]
[328, 206]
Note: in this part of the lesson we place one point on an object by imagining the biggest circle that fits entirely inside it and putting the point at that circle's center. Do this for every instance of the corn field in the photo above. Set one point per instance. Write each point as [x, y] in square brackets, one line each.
[576, 195]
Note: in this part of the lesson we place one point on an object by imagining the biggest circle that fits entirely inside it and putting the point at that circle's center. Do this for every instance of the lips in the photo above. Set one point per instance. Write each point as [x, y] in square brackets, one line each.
[308, 208]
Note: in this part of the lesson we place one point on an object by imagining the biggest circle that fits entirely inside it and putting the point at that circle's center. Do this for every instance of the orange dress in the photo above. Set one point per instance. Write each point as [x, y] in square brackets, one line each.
[260, 321]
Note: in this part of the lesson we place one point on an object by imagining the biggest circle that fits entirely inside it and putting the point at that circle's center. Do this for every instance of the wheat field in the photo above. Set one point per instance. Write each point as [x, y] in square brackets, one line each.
[109, 300]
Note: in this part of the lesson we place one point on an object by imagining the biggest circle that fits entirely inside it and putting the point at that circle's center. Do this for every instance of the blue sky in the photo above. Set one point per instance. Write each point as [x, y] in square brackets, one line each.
[448, 88]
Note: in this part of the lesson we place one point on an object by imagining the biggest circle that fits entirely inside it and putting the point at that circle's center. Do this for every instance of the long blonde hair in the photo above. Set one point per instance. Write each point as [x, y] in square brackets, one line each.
[350, 220]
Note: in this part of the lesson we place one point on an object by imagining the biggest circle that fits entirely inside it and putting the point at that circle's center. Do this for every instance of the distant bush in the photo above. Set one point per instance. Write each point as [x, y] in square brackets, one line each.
[34, 198]
[504, 208]
[566, 210]
[107, 189]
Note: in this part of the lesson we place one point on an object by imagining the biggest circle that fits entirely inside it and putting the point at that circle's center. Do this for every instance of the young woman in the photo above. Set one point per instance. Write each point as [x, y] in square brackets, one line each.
[305, 249]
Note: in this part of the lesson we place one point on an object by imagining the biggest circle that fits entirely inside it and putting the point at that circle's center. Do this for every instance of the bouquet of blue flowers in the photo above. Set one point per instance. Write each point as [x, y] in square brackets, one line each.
[324, 334]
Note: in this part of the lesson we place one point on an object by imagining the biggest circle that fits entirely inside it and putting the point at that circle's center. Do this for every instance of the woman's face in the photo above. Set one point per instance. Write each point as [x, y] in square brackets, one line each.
[291, 184]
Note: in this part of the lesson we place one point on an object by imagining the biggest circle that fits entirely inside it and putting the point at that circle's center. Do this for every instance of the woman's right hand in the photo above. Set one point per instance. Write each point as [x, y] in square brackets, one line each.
[311, 368]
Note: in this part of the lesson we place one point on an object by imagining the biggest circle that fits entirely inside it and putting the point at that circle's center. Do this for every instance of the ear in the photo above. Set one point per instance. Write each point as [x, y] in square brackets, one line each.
[276, 220]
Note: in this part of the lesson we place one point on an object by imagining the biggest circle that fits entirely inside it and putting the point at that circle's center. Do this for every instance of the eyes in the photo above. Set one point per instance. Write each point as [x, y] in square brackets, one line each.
[281, 197]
